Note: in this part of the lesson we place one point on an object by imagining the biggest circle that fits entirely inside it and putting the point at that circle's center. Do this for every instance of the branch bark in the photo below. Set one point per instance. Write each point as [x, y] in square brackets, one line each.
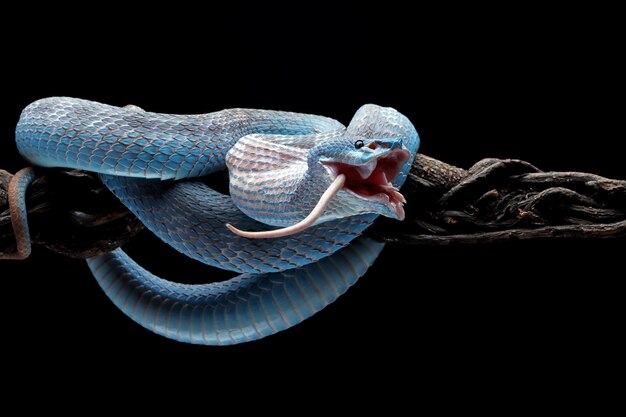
[498, 200]
[72, 213]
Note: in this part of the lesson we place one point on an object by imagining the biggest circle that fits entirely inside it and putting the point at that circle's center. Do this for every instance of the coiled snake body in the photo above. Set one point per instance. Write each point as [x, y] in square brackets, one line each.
[319, 182]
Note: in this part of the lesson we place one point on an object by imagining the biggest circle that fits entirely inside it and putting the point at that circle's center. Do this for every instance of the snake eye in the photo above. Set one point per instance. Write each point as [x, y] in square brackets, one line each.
[359, 144]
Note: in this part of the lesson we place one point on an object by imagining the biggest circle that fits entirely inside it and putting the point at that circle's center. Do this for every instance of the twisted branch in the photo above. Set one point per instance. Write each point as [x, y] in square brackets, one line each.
[72, 213]
[508, 199]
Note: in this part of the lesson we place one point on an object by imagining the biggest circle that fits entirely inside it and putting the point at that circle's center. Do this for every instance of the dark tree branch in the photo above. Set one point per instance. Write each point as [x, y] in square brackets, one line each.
[499, 200]
[72, 213]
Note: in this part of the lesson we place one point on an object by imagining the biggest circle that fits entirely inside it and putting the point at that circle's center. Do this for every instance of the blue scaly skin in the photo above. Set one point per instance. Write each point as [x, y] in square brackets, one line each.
[245, 308]
[141, 155]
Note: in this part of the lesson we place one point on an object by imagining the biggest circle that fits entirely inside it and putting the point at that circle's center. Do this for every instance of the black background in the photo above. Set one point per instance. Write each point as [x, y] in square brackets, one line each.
[536, 84]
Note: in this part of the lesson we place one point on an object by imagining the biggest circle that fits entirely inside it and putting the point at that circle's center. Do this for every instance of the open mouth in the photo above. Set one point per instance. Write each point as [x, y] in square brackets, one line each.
[372, 180]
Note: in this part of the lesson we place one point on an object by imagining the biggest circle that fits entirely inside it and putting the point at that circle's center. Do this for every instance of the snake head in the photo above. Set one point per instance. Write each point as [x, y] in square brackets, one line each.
[370, 167]
[298, 181]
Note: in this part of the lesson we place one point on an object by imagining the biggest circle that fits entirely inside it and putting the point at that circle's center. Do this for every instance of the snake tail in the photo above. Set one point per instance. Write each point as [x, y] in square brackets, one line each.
[17, 207]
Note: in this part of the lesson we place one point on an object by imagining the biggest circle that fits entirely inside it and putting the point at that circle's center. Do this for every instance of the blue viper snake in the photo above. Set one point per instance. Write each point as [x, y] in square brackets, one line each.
[302, 190]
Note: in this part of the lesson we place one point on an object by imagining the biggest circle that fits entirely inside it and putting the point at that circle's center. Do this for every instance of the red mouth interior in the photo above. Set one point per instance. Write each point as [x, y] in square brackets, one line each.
[377, 186]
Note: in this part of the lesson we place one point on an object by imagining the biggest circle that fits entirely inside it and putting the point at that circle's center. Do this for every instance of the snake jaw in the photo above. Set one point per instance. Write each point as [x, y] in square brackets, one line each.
[308, 221]
[371, 180]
